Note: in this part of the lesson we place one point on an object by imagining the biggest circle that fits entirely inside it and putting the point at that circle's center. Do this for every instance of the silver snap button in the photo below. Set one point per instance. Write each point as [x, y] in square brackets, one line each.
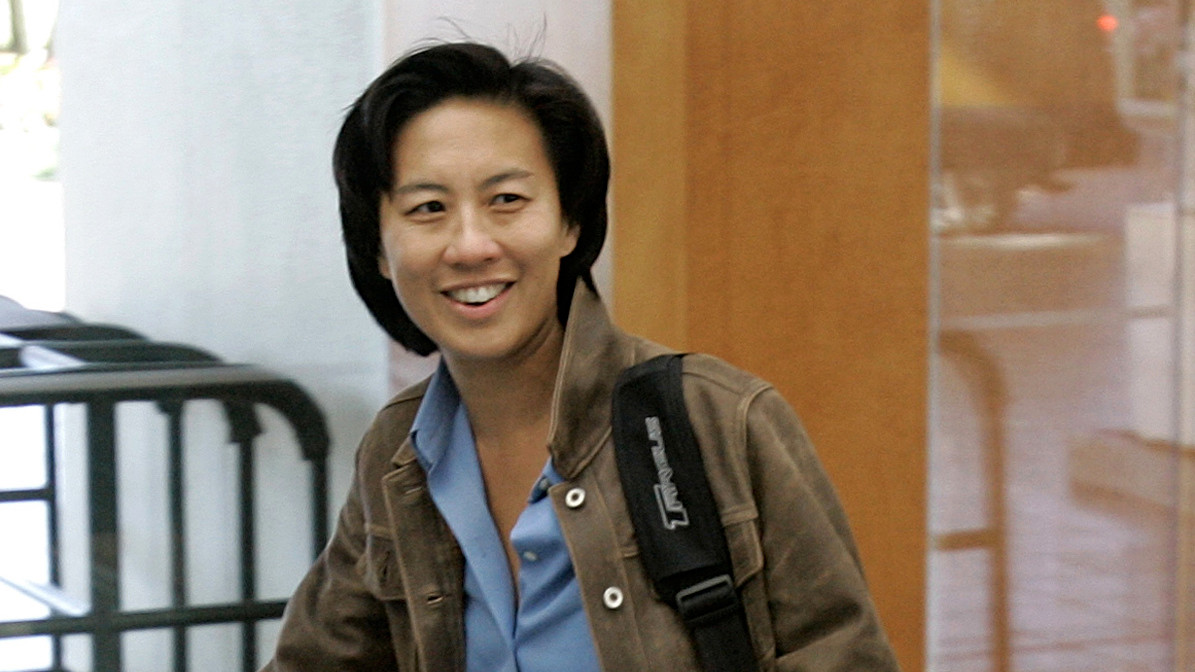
[612, 598]
[574, 498]
[530, 556]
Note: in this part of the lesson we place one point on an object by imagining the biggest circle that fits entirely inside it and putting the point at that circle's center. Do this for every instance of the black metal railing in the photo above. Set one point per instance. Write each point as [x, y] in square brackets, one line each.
[50, 359]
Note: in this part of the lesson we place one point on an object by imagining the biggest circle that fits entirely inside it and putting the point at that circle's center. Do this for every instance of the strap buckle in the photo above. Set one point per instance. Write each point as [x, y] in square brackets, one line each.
[707, 598]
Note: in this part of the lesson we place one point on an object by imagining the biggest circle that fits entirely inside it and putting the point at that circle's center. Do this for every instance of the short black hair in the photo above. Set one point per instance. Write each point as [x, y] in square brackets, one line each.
[364, 170]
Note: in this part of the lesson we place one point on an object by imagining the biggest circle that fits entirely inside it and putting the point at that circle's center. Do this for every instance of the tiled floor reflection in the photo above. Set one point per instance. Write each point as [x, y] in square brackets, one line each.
[1090, 572]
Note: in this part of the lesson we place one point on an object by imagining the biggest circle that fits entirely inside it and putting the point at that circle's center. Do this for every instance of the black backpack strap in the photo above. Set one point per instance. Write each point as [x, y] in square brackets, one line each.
[680, 535]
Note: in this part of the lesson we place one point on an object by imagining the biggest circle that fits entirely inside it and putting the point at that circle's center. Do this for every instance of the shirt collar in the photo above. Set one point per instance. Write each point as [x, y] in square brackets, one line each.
[431, 431]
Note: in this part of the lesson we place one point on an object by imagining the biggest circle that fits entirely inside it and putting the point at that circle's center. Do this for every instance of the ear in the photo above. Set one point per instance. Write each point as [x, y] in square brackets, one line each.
[568, 241]
[383, 267]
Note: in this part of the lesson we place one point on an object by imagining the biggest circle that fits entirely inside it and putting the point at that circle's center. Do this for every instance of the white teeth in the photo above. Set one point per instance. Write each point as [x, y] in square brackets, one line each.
[477, 295]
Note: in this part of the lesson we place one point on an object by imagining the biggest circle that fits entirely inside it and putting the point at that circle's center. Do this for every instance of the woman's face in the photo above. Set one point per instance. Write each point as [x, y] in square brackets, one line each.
[472, 233]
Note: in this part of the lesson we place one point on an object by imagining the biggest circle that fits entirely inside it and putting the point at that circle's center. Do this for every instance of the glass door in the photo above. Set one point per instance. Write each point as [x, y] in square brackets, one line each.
[1062, 450]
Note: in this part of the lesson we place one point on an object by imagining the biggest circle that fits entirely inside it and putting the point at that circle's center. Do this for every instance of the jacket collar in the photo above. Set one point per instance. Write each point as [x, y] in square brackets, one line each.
[593, 354]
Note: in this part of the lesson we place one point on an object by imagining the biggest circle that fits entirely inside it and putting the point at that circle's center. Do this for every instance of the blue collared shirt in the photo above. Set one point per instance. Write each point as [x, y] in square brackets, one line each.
[547, 630]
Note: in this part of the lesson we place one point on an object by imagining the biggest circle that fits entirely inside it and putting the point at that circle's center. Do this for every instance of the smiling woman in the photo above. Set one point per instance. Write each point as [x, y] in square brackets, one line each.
[472, 234]
[486, 528]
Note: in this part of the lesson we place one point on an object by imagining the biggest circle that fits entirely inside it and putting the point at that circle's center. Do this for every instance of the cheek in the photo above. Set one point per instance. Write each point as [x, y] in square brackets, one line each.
[547, 250]
[401, 273]
[396, 268]
[401, 256]
[407, 290]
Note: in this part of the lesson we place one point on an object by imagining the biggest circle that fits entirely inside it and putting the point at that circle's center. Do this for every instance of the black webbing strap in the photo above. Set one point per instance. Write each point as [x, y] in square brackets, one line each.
[681, 541]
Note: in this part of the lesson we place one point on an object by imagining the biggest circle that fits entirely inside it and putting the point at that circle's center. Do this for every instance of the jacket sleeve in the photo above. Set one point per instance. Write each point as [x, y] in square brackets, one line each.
[333, 622]
[823, 618]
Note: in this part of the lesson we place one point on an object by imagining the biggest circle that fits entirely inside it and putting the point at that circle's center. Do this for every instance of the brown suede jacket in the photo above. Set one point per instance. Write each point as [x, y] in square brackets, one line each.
[387, 593]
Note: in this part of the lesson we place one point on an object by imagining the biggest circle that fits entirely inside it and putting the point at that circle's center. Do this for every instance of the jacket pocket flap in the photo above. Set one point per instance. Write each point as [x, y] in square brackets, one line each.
[379, 568]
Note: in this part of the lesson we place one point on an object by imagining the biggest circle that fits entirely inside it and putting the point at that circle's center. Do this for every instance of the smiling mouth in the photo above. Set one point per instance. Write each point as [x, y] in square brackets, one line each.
[476, 296]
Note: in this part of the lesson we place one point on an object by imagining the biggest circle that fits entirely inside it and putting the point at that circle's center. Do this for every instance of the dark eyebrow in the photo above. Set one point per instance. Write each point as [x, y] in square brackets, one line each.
[512, 174]
[419, 186]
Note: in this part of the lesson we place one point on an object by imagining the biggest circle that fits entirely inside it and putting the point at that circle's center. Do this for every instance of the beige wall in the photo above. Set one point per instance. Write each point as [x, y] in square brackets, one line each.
[771, 188]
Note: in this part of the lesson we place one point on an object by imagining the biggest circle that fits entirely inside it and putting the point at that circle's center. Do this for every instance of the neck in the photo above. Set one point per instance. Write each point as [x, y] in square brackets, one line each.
[510, 402]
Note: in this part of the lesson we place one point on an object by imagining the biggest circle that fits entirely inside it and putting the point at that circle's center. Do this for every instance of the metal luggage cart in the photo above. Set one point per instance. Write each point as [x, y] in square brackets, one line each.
[49, 359]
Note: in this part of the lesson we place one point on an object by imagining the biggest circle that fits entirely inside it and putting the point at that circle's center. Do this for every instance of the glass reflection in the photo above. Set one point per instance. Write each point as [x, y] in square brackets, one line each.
[1056, 535]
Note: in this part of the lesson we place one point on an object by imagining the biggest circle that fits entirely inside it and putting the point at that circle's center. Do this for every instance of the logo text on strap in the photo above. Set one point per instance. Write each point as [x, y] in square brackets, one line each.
[672, 511]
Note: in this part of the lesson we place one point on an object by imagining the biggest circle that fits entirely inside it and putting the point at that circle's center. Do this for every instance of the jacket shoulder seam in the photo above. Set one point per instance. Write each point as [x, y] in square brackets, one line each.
[726, 376]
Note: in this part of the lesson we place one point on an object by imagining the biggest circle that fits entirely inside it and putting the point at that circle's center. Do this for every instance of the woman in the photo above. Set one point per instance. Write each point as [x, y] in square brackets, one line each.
[486, 528]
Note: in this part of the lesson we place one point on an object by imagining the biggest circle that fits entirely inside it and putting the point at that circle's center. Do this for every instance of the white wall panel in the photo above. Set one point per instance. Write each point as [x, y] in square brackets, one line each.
[200, 208]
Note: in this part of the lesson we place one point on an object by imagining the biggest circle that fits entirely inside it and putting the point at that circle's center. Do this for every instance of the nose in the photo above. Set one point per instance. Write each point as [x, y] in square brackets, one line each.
[472, 242]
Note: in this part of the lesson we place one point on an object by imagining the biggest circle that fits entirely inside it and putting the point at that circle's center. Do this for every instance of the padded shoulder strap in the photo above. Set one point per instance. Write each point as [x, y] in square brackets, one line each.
[680, 535]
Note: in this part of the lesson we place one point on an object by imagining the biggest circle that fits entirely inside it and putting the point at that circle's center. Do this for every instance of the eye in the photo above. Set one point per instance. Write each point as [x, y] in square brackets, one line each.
[507, 200]
[428, 208]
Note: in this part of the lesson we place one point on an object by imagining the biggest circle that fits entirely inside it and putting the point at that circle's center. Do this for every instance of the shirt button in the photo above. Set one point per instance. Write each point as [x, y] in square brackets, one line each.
[612, 598]
[574, 498]
[530, 556]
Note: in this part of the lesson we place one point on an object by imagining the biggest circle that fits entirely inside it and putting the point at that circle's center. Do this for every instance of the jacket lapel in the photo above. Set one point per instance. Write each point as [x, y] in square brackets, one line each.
[432, 573]
[593, 354]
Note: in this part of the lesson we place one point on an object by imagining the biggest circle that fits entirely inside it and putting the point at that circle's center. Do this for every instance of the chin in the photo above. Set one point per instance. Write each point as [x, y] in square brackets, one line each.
[478, 350]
